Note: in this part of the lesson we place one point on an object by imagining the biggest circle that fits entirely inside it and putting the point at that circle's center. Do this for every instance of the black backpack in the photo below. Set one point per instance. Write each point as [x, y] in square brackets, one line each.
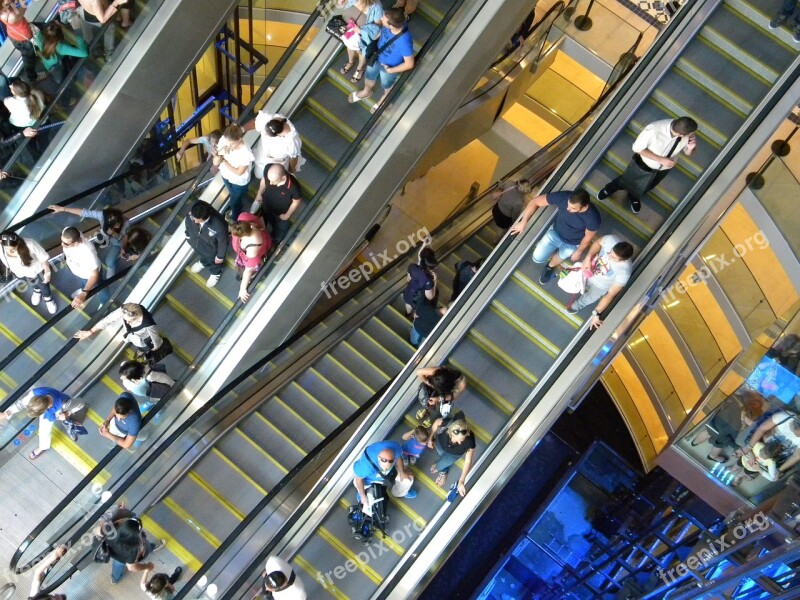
[363, 526]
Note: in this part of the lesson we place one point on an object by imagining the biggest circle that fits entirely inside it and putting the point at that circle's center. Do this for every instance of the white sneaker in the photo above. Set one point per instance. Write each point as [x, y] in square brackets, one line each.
[51, 306]
[161, 544]
[36, 297]
[196, 267]
[212, 281]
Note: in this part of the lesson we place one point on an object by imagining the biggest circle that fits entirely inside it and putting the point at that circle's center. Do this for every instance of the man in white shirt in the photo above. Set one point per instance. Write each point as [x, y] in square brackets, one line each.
[84, 263]
[607, 268]
[280, 143]
[655, 152]
[281, 582]
[235, 160]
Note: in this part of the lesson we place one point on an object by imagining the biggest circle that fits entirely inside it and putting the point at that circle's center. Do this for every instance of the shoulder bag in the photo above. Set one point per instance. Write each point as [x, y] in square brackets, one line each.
[373, 51]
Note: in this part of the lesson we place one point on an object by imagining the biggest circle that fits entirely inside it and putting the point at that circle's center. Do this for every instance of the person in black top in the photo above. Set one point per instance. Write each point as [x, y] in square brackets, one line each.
[207, 233]
[426, 316]
[278, 198]
[465, 271]
[452, 439]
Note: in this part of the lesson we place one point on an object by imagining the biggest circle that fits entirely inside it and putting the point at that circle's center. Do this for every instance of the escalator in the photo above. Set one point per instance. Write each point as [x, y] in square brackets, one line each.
[513, 336]
[171, 261]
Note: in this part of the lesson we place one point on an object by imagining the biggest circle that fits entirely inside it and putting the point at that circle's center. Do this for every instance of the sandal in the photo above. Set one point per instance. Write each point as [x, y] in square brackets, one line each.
[434, 470]
[357, 76]
[354, 97]
[36, 454]
[441, 479]
[346, 69]
[719, 459]
[375, 107]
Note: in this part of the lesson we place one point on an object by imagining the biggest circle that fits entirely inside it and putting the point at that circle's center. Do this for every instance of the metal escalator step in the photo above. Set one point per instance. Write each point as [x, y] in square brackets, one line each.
[389, 339]
[276, 412]
[227, 478]
[344, 379]
[184, 336]
[387, 362]
[329, 97]
[394, 315]
[314, 582]
[325, 392]
[326, 553]
[535, 356]
[205, 308]
[193, 548]
[277, 441]
[311, 176]
[617, 208]
[360, 365]
[319, 138]
[523, 298]
[709, 112]
[706, 64]
[251, 458]
[311, 409]
[491, 373]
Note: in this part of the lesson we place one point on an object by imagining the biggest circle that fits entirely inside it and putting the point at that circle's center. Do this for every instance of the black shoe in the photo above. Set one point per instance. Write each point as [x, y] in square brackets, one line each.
[571, 310]
[546, 275]
[176, 574]
[602, 194]
[636, 206]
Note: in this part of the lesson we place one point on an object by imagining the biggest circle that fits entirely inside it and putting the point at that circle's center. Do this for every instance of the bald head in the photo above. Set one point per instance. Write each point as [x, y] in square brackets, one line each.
[276, 175]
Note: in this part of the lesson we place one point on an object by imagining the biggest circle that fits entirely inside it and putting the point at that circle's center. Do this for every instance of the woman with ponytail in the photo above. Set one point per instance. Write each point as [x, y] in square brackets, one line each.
[27, 260]
[25, 104]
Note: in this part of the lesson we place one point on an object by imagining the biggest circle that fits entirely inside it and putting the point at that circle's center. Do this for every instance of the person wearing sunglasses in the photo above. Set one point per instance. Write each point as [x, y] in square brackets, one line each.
[381, 464]
[28, 260]
[452, 439]
[139, 326]
[83, 262]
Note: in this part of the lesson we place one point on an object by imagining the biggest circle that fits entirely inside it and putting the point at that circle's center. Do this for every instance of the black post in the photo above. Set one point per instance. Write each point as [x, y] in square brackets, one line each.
[583, 22]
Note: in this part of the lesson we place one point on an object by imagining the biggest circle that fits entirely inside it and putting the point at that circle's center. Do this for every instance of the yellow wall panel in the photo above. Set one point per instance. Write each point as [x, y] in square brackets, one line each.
[645, 410]
[578, 75]
[671, 359]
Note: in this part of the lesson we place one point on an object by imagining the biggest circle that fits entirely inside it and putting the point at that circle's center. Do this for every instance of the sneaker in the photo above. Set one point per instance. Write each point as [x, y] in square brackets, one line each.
[421, 414]
[636, 206]
[212, 281]
[196, 267]
[796, 33]
[778, 20]
[405, 460]
[73, 435]
[176, 574]
[36, 297]
[161, 545]
[413, 460]
[571, 310]
[51, 306]
[412, 493]
[546, 275]
[602, 194]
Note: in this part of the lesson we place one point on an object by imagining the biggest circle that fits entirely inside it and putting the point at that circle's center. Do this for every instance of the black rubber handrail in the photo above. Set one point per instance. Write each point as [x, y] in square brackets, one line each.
[558, 7]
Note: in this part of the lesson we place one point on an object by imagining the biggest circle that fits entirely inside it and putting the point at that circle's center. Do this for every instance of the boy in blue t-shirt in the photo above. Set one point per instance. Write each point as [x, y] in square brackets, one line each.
[396, 56]
[414, 444]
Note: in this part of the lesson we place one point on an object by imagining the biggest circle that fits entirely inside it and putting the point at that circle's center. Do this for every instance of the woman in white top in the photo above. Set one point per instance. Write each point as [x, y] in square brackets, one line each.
[25, 104]
[234, 159]
[27, 260]
[140, 327]
[280, 143]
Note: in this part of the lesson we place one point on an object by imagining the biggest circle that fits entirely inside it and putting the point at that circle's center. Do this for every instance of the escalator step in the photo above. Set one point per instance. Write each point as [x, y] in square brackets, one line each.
[329, 98]
[221, 473]
[334, 399]
[319, 138]
[278, 413]
[250, 457]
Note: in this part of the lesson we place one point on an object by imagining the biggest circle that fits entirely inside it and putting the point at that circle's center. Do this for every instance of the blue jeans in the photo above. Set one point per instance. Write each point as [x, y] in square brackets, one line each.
[549, 245]
[787, 8]
[415, 338]
[118, 569]
[236, 194]
[103, 294]
[377, 71]
[111, 259]
[446, 460]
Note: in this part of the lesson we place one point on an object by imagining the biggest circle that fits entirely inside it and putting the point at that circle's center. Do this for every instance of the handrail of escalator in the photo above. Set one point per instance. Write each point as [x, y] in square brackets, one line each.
[624, 64]
[68, 80]
[476, 284]
[310, 22]
[559, 7]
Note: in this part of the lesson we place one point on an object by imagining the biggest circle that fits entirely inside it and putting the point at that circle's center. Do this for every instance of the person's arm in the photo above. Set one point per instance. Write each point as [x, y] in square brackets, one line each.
[408, 435]
[78, 212]
[103, 15]
[603, 304]
[222, 243]
[434, 428]
[406, 65]
[262, 187]
[79, 50]
[431, 293]
[590, 256]
[125, 442]
[530, 208]
[80, 299]
[154, 334]
[143, 582]
[462, 489]
[760, 431]
[291, 210]
[790, 462]
[401, 469]
[110, 319]
[247, 275]
[238, 170]
[691, 144]
[43, 566]
[136, 567]
[70, 407]
[18, 405]
[588, 236]
[186, 145]
[362, 492]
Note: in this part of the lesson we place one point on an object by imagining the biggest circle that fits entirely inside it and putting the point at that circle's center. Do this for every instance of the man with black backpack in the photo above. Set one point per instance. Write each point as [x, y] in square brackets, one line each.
[381, 466]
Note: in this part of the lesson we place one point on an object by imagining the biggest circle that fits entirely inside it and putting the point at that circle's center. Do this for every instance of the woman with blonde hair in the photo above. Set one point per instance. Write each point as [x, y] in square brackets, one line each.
[50, 405]
[54, 46]
[250, 242]
[370, 30]
[25, 105]
[452, 439]
[510, 198]
[138, 324]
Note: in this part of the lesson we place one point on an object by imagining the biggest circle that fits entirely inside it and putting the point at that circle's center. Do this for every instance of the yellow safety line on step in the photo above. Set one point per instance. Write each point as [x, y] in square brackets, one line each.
[298, 417]
[339, 365]
[261, 450]
[213, 292]
[524, 328]
[181, 553]
[380, 348]
[316, 574]
[183, 515]
[241, 473]
[426, 480]
[527, 284]
[504, 405]
[315, 401]
[339, 392]
[17, 341]
[502, 357]
[188, 315]
[211, 491]
[352, 348]
[387, 541]
[280, 433]
[339, 546]
[76, 456]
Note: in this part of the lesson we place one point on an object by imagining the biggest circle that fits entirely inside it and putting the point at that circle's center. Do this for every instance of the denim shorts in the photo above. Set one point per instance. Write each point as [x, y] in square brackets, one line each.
[377, 71]
[549, 244]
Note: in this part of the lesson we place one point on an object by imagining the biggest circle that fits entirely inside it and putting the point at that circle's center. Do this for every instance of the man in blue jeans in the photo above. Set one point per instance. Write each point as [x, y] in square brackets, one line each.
[786, 12]
[396, 56]
[576, 223]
